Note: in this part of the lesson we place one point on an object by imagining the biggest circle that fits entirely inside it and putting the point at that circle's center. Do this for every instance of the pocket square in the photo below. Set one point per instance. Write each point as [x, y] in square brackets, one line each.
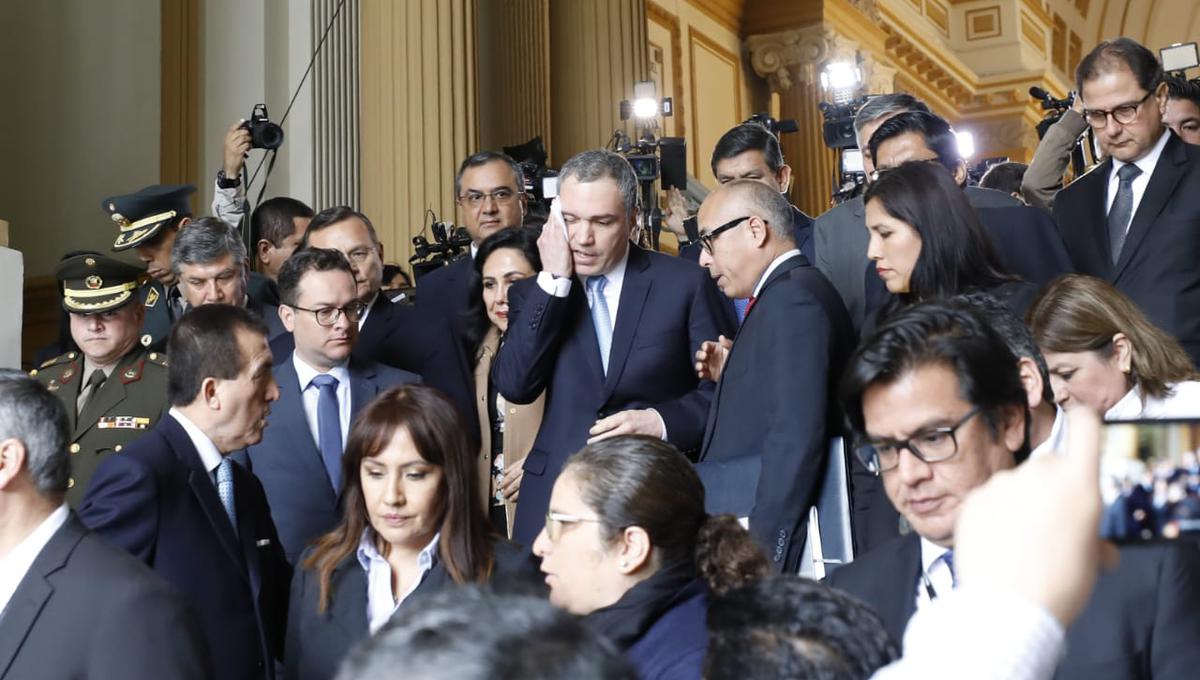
[262, 543]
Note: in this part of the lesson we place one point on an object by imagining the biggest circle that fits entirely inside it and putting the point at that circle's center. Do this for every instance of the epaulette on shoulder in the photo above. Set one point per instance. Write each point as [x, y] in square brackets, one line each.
[157, 358]
[60, 359]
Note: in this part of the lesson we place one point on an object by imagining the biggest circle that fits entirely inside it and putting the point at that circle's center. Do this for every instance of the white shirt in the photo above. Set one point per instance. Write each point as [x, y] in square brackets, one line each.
[936, 569]
[17, 562]
[1184, 402]
[1146, 163]
[381, 601]
[210, 457]
[979, 635]
[762, 280]
[310, 394]
[1056, 442]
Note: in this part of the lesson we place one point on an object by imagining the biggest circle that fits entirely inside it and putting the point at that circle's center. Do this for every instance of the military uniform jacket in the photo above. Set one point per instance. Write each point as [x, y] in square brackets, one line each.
[127, 404]
[159, 317]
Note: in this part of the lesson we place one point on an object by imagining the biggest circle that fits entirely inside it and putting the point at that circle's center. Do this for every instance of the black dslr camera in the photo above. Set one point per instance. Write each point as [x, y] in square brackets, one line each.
[263, 133]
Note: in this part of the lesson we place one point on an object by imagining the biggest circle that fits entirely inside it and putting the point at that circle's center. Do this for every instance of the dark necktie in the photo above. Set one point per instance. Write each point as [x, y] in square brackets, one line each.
[95, 380]
[329, 428]
[1122, 209]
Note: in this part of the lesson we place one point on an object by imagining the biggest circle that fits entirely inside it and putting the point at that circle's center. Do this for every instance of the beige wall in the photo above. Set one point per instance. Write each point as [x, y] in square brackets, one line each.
[80, 120]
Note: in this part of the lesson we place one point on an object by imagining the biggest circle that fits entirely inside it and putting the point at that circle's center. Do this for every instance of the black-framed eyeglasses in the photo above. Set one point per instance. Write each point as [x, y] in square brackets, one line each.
[327, 316]
[556, 520]
[475, 199]
[707, 238]
[1123, 114]
[932, 446]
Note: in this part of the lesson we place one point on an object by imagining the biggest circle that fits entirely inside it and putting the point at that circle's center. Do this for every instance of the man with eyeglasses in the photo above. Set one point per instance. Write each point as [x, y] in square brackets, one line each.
[770, 422]
[1135, 219]
[405, 337]
[490, 192]
[938, 395]
[321, 388]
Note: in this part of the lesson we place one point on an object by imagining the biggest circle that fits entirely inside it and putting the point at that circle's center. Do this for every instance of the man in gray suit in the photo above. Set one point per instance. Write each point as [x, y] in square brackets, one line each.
[72, 606]
[841, 232]
[321, 388]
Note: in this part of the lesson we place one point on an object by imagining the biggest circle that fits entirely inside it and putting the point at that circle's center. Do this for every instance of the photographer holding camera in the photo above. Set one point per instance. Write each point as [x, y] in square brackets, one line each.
[229, 196]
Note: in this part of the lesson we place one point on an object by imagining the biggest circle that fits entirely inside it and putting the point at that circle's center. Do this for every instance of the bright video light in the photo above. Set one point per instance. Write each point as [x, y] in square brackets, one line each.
[840, 75]
[966, 144]
[645, 108]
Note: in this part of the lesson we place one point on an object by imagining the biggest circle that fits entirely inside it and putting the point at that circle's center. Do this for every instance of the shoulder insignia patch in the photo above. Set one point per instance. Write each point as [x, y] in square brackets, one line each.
[133, 373]
[152, 297]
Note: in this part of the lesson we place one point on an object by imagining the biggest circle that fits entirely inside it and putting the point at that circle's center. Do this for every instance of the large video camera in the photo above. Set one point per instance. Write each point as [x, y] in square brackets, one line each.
[838, 134]
[541, 182]
[449, 242]
[263, 133]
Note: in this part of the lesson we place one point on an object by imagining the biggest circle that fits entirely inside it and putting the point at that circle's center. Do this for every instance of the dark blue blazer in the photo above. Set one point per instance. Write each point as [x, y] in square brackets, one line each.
[447, 290]
[158, 502]
[1142, 621]
[674, 647]
[413, 340]
[317, 643]
[668, 307]
[1158, 263]
[775, 405]
[288, 463]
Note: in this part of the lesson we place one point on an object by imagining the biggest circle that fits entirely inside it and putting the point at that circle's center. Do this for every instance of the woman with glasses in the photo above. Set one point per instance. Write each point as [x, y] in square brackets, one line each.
[1103, 352]
[507, 430]
[411, 524]
[628, 546]
[927, 243]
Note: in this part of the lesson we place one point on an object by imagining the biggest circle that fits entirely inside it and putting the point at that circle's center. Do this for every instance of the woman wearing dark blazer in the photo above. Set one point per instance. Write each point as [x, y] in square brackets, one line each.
[507, 429]
[411, 524]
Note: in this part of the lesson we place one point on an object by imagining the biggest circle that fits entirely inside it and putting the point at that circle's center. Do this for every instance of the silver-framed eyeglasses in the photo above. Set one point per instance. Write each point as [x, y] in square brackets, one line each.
[501, 196]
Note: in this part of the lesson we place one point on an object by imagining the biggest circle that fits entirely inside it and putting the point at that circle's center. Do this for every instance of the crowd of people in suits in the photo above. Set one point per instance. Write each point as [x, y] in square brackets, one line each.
[571, 455]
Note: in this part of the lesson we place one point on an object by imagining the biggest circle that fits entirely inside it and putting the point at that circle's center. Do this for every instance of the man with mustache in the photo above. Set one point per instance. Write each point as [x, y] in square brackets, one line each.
[112, 388]
[322, 386]
[175, 499]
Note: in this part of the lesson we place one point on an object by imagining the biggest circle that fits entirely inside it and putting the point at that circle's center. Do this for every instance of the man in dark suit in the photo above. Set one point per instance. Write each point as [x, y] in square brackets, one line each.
[411, 339]
[772, 407]
[490, 192]
[71, 605]
[176, 501]
[321, 388]
[1134, 220]
[938, 394]
[277, 226]
[607, 330]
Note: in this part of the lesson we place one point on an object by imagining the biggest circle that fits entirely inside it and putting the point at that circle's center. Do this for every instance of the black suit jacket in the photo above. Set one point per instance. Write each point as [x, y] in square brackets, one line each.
[1159, 265]
[88, 610]
[668, 307]
[288, 463]
[447, 290]
[317, 643]
[158, 502]
[1142, 621]
[414, 340]
[776, 401]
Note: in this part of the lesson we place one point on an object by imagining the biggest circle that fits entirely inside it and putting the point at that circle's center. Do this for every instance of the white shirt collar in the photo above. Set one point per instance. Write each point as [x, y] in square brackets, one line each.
[762, 280]
[17, 562]
[368, 553]
[209, 455]
[616, 276]
[1058, 433]
[1128, 408]
[367, 310]
[1145, 163]
[474, 249]
[305, 372]
[936, 569]
[382, 601]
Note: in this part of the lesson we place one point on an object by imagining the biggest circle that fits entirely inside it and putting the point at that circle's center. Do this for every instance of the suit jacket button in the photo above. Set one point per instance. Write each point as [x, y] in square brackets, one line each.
[117, 448]
[75, 447]
[70, 482]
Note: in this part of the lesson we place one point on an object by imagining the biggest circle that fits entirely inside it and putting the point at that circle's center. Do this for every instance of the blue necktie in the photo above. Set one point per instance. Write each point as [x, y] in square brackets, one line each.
[225, 490]
[948, 558]
[600, 317]
[1122, 210]
[740, 305]
[329, 428]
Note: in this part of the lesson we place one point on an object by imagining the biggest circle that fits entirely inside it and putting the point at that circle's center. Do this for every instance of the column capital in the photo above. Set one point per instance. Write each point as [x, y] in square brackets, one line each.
[784, 56]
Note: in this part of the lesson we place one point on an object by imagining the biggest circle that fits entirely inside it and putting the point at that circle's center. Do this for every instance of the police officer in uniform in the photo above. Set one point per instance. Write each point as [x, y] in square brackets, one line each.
[113, 388]
[148, 221]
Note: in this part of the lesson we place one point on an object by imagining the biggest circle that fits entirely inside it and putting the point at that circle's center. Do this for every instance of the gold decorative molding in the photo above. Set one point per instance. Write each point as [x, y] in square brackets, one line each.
[696, 38]
[669, 21]
[774, 55]
[982, 22]
[728, 13]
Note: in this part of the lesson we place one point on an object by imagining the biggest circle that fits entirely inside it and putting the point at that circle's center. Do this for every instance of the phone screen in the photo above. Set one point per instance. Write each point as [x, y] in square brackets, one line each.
[1150, 480]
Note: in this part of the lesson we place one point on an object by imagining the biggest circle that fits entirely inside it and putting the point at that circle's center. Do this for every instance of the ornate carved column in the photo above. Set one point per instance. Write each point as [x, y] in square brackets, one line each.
[597, 53]
[791, 62]
[418, 112]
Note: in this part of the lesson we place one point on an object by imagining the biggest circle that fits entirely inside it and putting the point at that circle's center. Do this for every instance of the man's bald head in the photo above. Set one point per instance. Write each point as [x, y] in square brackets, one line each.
[744, 226]
[752, 198]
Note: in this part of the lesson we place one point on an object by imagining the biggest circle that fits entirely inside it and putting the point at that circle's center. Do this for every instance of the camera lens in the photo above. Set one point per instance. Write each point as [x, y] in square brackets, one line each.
[268, 135]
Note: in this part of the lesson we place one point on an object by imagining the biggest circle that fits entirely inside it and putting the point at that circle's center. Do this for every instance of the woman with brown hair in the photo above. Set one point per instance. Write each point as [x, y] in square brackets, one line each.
[1104, 353]
[411, 524]
[628, 546]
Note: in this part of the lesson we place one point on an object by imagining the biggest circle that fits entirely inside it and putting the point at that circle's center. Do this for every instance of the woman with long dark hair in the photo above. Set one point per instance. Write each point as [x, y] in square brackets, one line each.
[628, 546]
[411, 523]
[927, 243]
[507, 430]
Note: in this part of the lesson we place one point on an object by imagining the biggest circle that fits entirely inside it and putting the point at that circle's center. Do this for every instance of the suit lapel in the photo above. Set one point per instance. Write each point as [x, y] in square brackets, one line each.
[70, 391]
[1097, 207]
[1167, 173]
[634, 290]
[585, 331]
[35, 590]
[898, 598]
[349, 605]
[204, 490]
[376, 326]
[293, 422]
[247, 528]
[362, 386]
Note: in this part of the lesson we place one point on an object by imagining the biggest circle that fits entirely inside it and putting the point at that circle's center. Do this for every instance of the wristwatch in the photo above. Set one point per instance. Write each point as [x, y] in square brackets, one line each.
[224, 182]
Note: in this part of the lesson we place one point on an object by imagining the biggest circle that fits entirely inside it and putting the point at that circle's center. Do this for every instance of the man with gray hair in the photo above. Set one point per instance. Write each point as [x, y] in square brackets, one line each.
[605, 330]
[71, 605]
[210, 262]
[771, 419]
